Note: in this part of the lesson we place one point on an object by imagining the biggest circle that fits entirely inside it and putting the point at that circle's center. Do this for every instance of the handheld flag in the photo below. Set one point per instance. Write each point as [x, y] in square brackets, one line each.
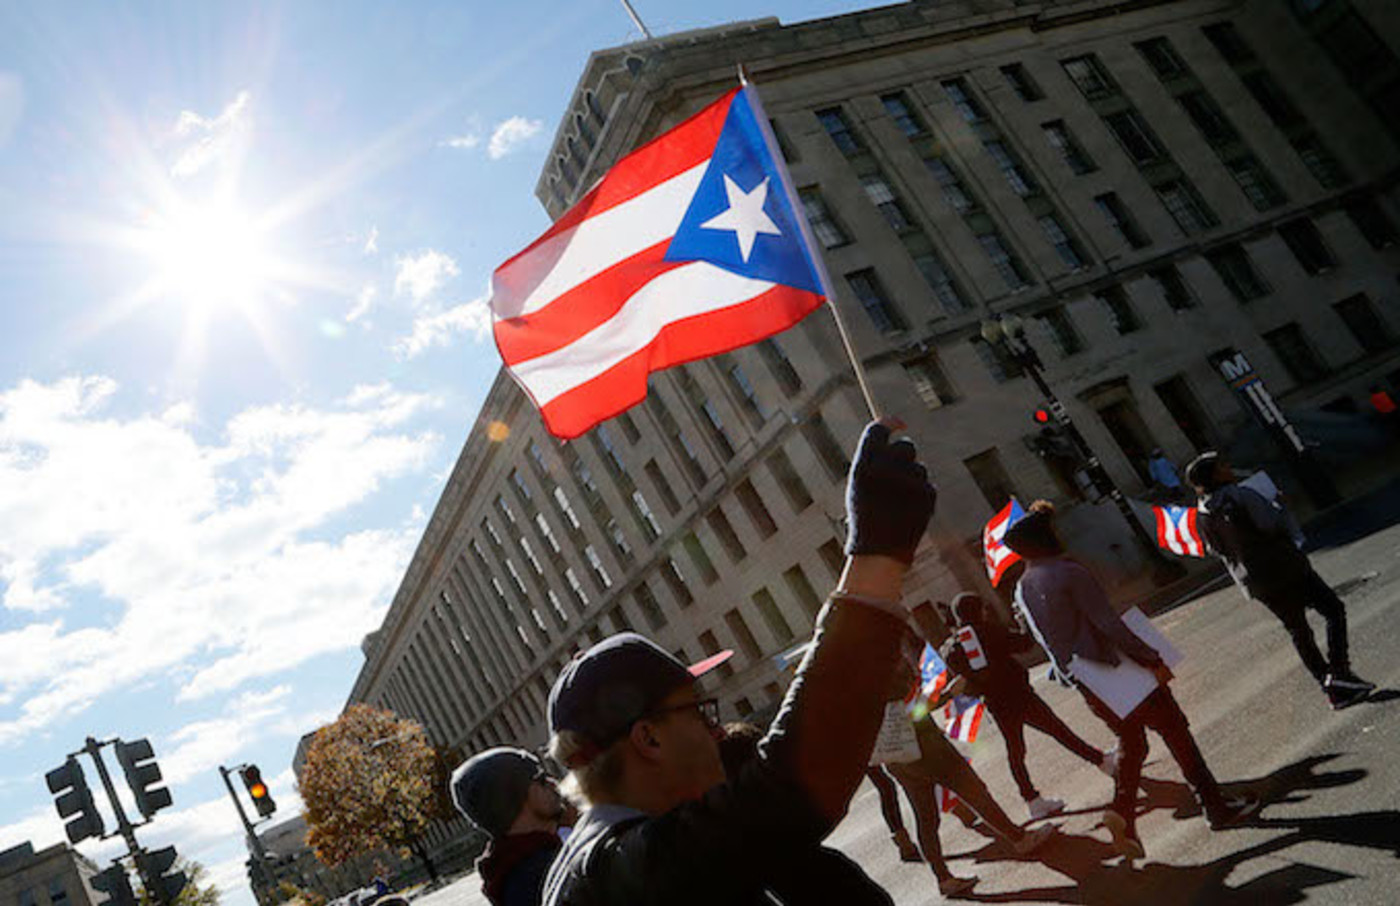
[690, 246]
[964, 714]
[1177, 532]
[999, 557]
[933, 677]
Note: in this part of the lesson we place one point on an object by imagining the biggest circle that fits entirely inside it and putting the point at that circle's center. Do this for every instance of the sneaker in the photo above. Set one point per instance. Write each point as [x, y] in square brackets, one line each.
[1109, 764]
[1032, 840]
[952, 887]
[1233, 812]
[908, 852]
[1125, 839]
[1040, 807]
[1340, 697]
[1349, 682]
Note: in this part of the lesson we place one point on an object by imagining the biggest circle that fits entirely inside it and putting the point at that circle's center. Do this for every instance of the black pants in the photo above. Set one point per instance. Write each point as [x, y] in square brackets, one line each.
[1013, 712]
[1160, 713]
[1290, 605]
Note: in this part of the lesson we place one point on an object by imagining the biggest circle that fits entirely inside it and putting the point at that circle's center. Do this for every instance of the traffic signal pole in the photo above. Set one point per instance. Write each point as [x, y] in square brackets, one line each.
[153, 886]
[254, 843]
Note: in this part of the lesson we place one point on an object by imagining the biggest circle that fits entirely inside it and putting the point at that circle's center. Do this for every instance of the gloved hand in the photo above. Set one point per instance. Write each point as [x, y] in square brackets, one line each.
[889, 500]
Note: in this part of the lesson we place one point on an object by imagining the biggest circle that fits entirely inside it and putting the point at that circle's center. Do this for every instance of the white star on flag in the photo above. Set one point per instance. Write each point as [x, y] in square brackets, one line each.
[745, 215]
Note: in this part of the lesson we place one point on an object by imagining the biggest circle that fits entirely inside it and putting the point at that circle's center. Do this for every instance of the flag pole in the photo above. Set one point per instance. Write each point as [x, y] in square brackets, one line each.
[795, 203]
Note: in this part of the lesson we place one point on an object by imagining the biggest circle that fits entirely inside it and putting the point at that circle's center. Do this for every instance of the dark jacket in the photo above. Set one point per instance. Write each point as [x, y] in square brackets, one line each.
[720, 848]
[1003, 676]
[1254, 538]
[1072, 616]
[513, 868]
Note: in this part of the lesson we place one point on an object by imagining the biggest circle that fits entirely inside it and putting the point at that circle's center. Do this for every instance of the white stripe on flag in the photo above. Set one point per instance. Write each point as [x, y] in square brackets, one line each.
[577, 255]
[690, 290]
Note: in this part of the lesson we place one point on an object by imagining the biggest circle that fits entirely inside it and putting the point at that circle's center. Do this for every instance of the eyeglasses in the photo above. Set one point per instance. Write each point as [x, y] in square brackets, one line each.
[708, 709]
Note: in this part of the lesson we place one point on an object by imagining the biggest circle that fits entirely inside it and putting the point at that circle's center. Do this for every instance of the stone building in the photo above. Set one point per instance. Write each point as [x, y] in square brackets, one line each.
[56, 876]
[1152, 186]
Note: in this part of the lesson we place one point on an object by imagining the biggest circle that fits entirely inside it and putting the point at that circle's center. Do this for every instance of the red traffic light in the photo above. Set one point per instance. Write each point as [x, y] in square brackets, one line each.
[1041, 416]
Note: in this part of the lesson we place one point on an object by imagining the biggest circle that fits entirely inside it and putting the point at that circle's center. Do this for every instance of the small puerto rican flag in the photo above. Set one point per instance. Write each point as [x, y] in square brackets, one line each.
[964, 714]
[1177, 532]
[999, 557]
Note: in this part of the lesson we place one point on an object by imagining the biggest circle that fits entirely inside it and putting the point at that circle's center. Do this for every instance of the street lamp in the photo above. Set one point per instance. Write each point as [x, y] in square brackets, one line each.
[1008, 332]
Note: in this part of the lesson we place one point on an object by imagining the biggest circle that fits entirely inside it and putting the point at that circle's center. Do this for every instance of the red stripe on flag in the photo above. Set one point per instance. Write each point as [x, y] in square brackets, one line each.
[1162, 520]
[1194, 546]
[625, 384]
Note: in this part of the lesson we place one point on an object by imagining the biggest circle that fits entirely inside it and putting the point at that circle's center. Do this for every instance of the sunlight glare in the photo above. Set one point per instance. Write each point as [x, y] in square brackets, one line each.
[208, 256]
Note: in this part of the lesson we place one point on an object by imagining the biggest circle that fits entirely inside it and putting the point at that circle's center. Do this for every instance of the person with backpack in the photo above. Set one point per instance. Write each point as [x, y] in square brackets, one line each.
[1254, 537]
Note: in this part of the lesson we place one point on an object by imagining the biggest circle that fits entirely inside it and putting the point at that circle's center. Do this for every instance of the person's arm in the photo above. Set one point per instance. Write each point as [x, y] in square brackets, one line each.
[1088, 596]
[1268, 518]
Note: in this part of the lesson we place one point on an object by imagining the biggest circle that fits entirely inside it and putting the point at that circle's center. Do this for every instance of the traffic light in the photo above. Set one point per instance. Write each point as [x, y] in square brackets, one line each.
[1042, 416]
[75, 801]
[138, 762]
[252, 779]
[155, 867]
[114, 882]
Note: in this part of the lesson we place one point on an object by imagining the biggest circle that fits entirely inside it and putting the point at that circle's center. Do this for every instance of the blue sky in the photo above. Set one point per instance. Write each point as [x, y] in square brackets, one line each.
[243, 254]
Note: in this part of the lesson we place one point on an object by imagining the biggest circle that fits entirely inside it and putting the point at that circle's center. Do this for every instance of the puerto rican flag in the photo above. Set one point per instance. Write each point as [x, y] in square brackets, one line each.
[690, 246]
[1176, 531]
[964, 715]
[999, 557]
[933, 677]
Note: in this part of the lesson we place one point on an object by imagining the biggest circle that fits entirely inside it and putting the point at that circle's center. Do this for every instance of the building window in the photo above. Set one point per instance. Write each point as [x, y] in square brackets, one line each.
[491, 533]
[882, 196]
[1063, 141]
[1186, 411]
[1061, 329]
[675, 580]
[709, 414]
[1003, 261]
[802, 589]
[649, 606]
[1016, 176]
[1228, 43]
[823, 443]
[1089, 76]
[645, 518]
[58, 894]
[1360, 317]
[1185, 206]
[743, 634]
[530, 556]
[941, 282]
[1371, 222]
[752, 503]
[1162, 58]
[629, 427]
[785, 147]
[1121, 221]
[991, 478]
[1136, 139]
[954, 192]
[1177, 294]
[999, 362]
[787, 478]
[1208, 118]
[897, 106]
[700, 557]
[520, 487]
[1021, 82]
[710, 645]
[777, 623]
[1255, 182]
[1060, 241]
[836, 126]
[868, 289]
[505, 510]
[929, 381]
[562, 501]
[619, 541]
[1235, 269]
[515, 578]
[663, 486]
[824, 224]
[834, 556]
[966, 104]
[546, 532]
[606, 449]
[537, 457]
[1272, 98]
[724, 530]
[1120, 310]
[1325, 168]
[1306, 244]
[1295, 354]
[618, 617]
[595, 565]
[780, 366]
[750, 405]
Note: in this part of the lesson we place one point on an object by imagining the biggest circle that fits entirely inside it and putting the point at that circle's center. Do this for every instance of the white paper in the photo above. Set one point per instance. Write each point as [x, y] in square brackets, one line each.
[1127, 685]
[896, 743]
[1146, 630]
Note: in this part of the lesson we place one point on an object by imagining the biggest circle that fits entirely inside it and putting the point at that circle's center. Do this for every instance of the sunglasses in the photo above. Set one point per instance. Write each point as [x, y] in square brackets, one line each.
[708, 708]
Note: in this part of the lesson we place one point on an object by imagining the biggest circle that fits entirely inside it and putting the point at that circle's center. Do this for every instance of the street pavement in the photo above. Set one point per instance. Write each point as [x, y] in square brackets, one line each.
[1330, 833]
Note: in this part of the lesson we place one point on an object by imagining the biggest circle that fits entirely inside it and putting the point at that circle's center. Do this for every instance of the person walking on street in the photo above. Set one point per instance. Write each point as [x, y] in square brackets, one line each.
[889, 810]
[1071, 616]
[982, 652]
[640, 741]
[1254, 537]
[1163, 473]
[509, 795]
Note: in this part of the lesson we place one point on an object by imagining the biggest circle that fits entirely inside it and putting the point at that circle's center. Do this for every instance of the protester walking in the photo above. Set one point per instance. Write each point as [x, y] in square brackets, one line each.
[889, 810]
[1254, 536]
[982, 652]
[1071, 617]
[663, 826]
[509, 795]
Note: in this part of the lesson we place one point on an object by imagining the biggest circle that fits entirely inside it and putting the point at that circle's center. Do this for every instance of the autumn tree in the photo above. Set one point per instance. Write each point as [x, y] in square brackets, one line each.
[372, 781]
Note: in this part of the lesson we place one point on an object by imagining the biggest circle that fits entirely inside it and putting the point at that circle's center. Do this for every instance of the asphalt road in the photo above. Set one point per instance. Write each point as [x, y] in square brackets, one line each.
[1330, 833]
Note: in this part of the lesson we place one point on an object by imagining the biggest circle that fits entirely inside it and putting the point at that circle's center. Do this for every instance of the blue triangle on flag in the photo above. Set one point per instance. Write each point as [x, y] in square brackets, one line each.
[743, 169]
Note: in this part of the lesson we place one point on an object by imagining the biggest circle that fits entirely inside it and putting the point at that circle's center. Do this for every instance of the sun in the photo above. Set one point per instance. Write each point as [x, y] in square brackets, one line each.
[207, 255]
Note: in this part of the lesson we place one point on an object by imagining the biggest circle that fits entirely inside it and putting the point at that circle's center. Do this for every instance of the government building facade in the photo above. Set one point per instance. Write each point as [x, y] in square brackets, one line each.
[1152, 187]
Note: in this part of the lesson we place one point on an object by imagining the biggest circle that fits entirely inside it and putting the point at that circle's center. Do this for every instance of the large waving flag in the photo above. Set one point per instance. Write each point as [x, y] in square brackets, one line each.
[999, 557]
[1177, 532]
[690, 246]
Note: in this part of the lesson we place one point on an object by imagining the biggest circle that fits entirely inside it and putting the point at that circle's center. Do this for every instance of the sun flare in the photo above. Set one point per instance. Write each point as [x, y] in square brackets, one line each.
[209, 256]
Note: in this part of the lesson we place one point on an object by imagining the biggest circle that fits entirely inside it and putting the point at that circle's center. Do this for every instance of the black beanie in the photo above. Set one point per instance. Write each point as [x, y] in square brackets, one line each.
[490, 788]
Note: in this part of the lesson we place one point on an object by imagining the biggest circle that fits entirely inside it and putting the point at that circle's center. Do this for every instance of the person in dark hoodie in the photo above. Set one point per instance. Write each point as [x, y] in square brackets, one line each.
[1254, 536]
[509, 795]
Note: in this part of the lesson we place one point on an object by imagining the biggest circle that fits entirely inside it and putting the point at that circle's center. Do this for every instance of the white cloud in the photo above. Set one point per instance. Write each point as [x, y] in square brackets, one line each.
[372, 242]
[421, 275]
[210, 140]
[461, 142]
[41, 826]
[509, 135]
[214, 562]
[364, 301]
[473, 318]
[11, 105]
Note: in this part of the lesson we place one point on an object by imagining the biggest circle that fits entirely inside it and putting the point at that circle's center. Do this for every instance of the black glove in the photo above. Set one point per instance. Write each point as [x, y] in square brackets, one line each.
[889, 500]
